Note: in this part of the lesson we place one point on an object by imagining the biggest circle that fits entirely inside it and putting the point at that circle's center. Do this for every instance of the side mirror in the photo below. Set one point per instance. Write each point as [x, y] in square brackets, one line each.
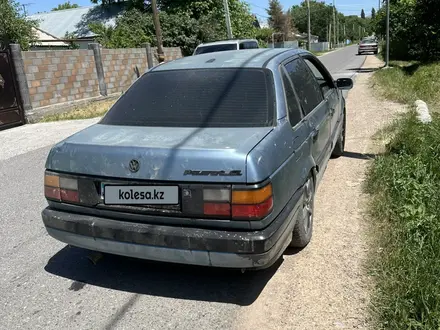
[344, 83]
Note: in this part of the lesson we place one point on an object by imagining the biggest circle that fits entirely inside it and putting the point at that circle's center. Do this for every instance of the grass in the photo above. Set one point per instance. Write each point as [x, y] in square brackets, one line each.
[404, 185]
[407, 82]
[92, 110]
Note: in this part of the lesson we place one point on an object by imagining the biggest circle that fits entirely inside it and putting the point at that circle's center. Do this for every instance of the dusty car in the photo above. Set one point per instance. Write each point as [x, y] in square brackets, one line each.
[226, 45]
[209, 160]
[368, 46]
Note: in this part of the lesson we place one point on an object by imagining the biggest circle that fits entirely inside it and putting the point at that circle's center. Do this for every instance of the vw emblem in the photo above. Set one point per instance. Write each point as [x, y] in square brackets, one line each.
[133, 166]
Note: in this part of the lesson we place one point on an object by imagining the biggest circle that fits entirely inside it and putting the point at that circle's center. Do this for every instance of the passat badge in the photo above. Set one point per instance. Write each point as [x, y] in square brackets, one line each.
[133, 166]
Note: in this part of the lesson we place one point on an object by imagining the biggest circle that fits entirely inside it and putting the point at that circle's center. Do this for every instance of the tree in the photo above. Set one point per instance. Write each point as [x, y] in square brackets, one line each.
[66, 5]
[414, 29]
[373, 13]
[362, 14]
[185, 24]
[277, 19]
[14, 26]
[320, 18]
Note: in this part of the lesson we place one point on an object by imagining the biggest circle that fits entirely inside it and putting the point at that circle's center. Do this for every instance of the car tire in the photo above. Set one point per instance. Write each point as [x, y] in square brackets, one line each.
[302, 233]
[339, 148]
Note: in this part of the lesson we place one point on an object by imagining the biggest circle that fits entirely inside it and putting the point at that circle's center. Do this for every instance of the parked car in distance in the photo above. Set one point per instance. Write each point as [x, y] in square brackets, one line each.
[217, 174]
[368, 46]
[219, 46]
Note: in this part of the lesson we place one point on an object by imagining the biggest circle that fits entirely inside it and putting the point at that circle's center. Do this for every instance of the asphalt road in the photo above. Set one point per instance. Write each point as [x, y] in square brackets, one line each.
[45, 284]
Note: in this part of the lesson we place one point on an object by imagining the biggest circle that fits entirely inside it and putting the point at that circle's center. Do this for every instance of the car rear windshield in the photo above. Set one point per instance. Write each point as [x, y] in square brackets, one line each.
[197, 98]
[215, 48]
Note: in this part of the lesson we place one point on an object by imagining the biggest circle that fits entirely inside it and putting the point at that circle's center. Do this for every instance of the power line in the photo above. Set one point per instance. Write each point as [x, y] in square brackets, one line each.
[253, 4]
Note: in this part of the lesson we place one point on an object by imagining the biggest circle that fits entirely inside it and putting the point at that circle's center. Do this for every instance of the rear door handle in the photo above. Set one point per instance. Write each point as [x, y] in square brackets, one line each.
[332, 111]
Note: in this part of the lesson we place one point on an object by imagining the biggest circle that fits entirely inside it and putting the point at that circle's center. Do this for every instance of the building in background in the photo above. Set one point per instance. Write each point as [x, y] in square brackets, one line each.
[55, 25]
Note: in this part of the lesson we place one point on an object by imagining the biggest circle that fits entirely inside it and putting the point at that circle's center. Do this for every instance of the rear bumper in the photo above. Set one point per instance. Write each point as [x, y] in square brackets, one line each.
[368, 50]
[205, 247]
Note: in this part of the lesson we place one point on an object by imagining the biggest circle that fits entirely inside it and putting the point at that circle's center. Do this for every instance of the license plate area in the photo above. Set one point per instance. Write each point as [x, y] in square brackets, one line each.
[139, 195]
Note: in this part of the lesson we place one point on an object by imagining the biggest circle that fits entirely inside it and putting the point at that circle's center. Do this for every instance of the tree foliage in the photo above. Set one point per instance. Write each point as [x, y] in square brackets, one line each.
[373, 13]
[414, 29]
[184, 23]
[14, 26]
[280, 21]
[321, 16]
[66, 5]
[362, 14]
[276, 18]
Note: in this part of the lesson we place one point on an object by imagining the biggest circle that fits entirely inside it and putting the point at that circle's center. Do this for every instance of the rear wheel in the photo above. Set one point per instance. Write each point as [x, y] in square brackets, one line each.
[338, 150]
[302, 233]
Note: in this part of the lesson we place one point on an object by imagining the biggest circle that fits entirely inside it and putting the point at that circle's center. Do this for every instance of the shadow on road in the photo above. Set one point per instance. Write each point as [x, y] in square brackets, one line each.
[160, 279]
[364, 70]
[358, 155]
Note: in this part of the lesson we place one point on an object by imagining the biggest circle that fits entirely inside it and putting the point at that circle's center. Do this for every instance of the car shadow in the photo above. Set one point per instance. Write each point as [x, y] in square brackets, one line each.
[160, 279]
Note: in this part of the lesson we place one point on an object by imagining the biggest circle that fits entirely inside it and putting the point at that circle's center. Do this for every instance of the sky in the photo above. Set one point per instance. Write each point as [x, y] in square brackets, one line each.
[347, 7]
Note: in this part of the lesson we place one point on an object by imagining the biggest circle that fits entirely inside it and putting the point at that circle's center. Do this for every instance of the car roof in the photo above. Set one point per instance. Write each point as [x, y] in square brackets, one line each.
[248, 58]
[225, 42]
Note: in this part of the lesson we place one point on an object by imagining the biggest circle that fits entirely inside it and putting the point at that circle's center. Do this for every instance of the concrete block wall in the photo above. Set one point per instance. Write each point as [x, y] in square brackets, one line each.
[56, 77]
[60, 76]
[122, 66]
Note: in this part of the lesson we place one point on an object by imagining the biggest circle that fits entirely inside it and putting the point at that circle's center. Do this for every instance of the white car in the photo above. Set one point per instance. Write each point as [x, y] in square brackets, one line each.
[219, 46]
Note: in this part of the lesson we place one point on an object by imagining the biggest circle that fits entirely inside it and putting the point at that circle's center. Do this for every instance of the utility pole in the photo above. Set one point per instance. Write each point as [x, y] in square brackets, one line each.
[379, 4]
[334, 22]
[160, 53]
[228, 19]
[24, 7]
[387, 58]
[330, 35]
[309, 36]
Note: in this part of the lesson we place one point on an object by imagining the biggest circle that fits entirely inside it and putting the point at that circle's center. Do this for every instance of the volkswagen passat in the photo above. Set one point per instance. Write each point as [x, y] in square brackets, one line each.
[209, 160]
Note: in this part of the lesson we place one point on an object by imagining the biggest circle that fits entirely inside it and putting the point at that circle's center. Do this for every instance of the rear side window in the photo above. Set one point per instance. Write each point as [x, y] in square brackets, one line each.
[306, 87]
[293, 106]
[248, 45]
[197, 98]
[215, 48]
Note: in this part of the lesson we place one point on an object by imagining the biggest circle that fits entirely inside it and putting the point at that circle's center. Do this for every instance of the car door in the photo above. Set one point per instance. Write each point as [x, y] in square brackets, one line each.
[330, 93]
[314, 107]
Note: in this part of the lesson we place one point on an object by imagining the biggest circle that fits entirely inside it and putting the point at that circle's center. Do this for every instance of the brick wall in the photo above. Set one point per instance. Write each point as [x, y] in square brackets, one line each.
[68, 75]
[122, 66]
[60, 76]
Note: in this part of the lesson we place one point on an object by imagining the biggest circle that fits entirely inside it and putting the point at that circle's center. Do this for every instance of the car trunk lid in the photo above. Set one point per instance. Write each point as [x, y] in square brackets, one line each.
[163, 153]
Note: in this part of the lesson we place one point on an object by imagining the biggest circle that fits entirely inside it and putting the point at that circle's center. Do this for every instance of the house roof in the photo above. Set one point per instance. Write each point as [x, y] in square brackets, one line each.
[42, 35]
[76, 20]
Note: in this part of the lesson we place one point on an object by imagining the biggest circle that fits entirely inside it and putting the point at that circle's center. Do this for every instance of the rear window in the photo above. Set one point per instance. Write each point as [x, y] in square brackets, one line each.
[215, 48]
[197, 98]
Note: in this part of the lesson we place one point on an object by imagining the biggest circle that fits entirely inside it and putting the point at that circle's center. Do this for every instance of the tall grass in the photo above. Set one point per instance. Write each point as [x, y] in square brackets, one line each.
[408, 81]
[92, 110]
[405, 210]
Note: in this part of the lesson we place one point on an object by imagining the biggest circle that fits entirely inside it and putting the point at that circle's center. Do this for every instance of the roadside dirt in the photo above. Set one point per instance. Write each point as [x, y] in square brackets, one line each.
[325, 286]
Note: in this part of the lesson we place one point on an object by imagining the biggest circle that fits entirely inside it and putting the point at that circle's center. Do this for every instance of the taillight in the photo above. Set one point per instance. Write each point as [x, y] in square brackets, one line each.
[238, 204]
[60, 188]
[217, 202]
[252, 204]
